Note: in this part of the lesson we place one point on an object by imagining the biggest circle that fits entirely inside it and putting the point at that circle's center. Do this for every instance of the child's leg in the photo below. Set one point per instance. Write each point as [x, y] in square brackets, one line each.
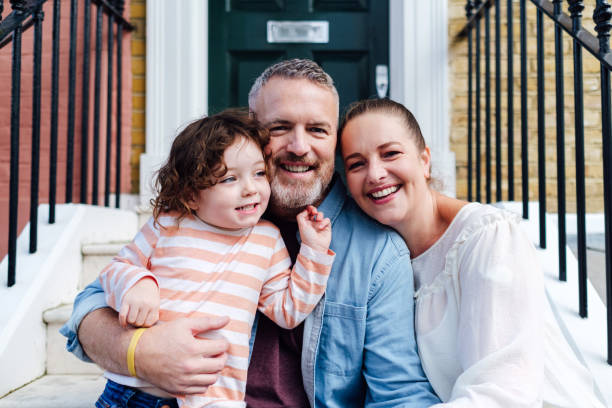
[120, 396]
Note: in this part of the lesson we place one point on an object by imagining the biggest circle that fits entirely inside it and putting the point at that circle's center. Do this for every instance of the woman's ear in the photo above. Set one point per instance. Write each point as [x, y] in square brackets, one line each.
[425, 157]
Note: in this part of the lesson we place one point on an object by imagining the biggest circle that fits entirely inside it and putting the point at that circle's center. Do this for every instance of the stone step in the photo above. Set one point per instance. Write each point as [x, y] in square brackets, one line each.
[96, 257]
[59, 360]
[57, 391]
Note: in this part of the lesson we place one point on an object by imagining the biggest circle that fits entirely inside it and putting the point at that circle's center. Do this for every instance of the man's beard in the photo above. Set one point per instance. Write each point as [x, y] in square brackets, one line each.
[289, 197]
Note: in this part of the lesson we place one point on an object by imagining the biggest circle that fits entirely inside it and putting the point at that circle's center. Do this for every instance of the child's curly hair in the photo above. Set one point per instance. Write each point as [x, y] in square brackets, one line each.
[196, 158]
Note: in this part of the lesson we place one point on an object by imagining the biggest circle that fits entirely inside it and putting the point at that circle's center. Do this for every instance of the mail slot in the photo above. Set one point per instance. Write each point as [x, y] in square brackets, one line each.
[298, 32]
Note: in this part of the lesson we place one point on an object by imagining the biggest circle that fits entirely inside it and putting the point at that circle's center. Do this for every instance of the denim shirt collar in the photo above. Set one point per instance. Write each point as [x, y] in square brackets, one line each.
[334, 200]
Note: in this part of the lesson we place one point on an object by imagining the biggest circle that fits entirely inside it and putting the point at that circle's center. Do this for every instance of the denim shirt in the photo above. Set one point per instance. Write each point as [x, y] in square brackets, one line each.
[359, 346]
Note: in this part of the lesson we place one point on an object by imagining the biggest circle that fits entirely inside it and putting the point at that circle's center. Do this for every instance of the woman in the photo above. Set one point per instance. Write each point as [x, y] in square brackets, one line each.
[486, 334]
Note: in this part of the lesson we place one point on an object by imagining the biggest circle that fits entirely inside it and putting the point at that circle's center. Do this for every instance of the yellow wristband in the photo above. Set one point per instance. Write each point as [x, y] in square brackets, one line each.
[132, 349]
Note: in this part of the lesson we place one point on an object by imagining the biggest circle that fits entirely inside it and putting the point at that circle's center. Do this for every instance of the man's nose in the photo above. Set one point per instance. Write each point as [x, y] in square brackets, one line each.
[298, 144]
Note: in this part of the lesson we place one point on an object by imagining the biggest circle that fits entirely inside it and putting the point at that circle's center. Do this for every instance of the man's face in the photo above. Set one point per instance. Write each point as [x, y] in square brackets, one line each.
[302, 118]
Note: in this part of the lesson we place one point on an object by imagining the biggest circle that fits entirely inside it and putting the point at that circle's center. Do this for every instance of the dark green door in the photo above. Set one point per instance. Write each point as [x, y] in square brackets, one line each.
[356, 50]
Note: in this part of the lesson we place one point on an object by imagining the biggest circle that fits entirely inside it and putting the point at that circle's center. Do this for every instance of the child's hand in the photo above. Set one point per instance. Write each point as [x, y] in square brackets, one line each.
[140, 305]
[315, 230]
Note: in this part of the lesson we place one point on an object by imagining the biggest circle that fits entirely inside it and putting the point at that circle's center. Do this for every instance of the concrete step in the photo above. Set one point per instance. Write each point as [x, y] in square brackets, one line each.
[57, 391]
[60, 361]
[95, 258]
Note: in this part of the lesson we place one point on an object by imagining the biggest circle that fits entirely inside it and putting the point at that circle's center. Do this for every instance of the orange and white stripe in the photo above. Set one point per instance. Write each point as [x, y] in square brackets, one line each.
[205, 271]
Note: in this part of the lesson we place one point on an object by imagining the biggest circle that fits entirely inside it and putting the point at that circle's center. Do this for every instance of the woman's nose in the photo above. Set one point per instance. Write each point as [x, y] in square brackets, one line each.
[376, 171]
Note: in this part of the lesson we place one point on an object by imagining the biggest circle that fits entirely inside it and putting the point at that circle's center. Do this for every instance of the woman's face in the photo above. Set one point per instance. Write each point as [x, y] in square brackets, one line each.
[386, 173]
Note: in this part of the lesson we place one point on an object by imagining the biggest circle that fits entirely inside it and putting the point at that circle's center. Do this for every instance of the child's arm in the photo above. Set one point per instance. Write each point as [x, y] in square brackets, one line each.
[289, 295]
[129, 286]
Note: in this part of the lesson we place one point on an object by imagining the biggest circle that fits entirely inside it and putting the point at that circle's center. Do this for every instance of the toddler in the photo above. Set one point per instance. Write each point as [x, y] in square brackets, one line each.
[205, 251]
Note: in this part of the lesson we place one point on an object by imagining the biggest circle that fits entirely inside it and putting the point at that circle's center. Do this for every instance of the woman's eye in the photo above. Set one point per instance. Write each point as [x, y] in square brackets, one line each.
[391, 153]
[355, 165]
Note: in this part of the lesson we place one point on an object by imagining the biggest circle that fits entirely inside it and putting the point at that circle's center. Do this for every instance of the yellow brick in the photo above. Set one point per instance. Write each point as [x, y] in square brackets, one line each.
[138, 84]
[138, 102]
[138, 120]
[139, 47]
[137, 9]
[138, 66]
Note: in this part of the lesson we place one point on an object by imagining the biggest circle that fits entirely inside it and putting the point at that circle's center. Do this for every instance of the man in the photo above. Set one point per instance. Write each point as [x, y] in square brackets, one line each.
[357, 348]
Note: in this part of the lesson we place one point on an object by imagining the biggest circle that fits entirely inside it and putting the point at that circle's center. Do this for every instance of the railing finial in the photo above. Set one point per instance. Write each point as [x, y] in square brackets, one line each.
[603, 24]
[19, 5]
[575, 9]
[469, 8]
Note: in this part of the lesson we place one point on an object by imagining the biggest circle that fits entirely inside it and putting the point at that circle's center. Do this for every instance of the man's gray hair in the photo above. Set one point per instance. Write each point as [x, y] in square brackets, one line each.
[292, 69]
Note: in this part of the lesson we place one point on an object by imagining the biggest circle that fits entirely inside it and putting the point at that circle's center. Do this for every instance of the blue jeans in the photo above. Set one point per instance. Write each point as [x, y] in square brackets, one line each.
[120, 396]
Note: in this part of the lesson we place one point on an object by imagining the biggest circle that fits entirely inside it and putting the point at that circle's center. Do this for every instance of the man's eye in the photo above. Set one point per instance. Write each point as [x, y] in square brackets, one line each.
[317, 130]
[278, 129]
[228, 179]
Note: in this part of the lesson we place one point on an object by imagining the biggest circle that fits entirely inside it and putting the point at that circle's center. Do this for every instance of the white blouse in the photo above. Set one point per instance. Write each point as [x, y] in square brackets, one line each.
[485, 331]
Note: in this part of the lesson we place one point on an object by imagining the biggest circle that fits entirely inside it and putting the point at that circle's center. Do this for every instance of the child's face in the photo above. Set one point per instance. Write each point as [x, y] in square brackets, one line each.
[241, 196]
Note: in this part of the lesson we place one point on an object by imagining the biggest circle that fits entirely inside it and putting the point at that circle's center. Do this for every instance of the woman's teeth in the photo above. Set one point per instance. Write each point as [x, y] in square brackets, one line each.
[385, 192]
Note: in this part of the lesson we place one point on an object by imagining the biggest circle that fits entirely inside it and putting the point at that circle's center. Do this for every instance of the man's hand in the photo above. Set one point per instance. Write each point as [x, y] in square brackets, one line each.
[171, 357]
[315, 230]
[140, 305]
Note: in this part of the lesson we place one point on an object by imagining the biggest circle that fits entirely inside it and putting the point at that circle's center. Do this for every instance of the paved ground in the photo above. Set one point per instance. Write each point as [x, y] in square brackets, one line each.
[596, 261]
[57, 391]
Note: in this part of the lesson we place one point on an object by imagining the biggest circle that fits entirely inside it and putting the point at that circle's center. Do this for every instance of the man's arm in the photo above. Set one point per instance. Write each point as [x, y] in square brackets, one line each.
[392, 368]
[168, 355]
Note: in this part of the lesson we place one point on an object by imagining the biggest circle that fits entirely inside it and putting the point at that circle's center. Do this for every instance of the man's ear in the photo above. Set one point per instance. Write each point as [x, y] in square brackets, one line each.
[425, 156]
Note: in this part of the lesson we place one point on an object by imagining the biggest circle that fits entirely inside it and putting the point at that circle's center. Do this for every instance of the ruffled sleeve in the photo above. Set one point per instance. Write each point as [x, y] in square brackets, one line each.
[500, 328]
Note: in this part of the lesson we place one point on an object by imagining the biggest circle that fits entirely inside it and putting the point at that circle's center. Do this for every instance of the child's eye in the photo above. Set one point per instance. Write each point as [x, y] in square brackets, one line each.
[261, 173]
[228, 179]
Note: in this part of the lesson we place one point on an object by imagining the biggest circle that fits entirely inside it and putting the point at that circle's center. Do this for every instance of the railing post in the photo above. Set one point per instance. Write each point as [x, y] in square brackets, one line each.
[109, 112]
[488, 105]
[541, 130]
[575, 8]
[85, 105]
[54, 109]
[96, 117]
[602, 17]
[498, 186]
[560, 110]
[19, 7]
[524, 117]
[468, 12]
[34, 174]
[120, 8]
[477, 4]
[71, 100]
[510, 103]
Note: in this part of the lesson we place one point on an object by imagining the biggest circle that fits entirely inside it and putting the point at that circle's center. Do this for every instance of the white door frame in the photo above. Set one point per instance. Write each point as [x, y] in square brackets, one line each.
[177, 76]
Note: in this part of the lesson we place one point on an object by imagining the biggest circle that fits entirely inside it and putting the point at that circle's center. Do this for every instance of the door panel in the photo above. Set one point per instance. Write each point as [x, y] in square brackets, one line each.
[239, 51]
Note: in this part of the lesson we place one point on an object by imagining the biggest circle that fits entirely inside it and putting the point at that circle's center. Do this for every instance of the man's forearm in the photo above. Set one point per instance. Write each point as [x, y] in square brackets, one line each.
[105, 341]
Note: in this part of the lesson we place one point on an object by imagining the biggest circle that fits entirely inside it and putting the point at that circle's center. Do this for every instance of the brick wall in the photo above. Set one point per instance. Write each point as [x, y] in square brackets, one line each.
[592, 108]
[137, 18]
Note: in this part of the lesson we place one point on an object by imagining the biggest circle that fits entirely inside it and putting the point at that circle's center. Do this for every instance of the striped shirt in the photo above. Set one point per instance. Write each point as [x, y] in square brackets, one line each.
[202, 270]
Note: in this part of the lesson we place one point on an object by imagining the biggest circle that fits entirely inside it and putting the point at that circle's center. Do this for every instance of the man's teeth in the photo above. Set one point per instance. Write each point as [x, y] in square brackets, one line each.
[247, 207]
[385, 192]
[297, 169]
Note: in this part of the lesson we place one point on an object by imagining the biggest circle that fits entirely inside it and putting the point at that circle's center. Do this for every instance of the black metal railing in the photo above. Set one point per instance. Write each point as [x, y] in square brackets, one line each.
[564, 24]
[28, 13]
[570, 24]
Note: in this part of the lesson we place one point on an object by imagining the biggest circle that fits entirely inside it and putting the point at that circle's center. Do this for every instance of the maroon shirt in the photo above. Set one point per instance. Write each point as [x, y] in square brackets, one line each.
[275, 376]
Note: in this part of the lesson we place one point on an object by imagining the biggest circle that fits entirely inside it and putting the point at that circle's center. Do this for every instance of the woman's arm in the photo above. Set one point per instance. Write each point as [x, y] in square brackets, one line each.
[500, 337]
